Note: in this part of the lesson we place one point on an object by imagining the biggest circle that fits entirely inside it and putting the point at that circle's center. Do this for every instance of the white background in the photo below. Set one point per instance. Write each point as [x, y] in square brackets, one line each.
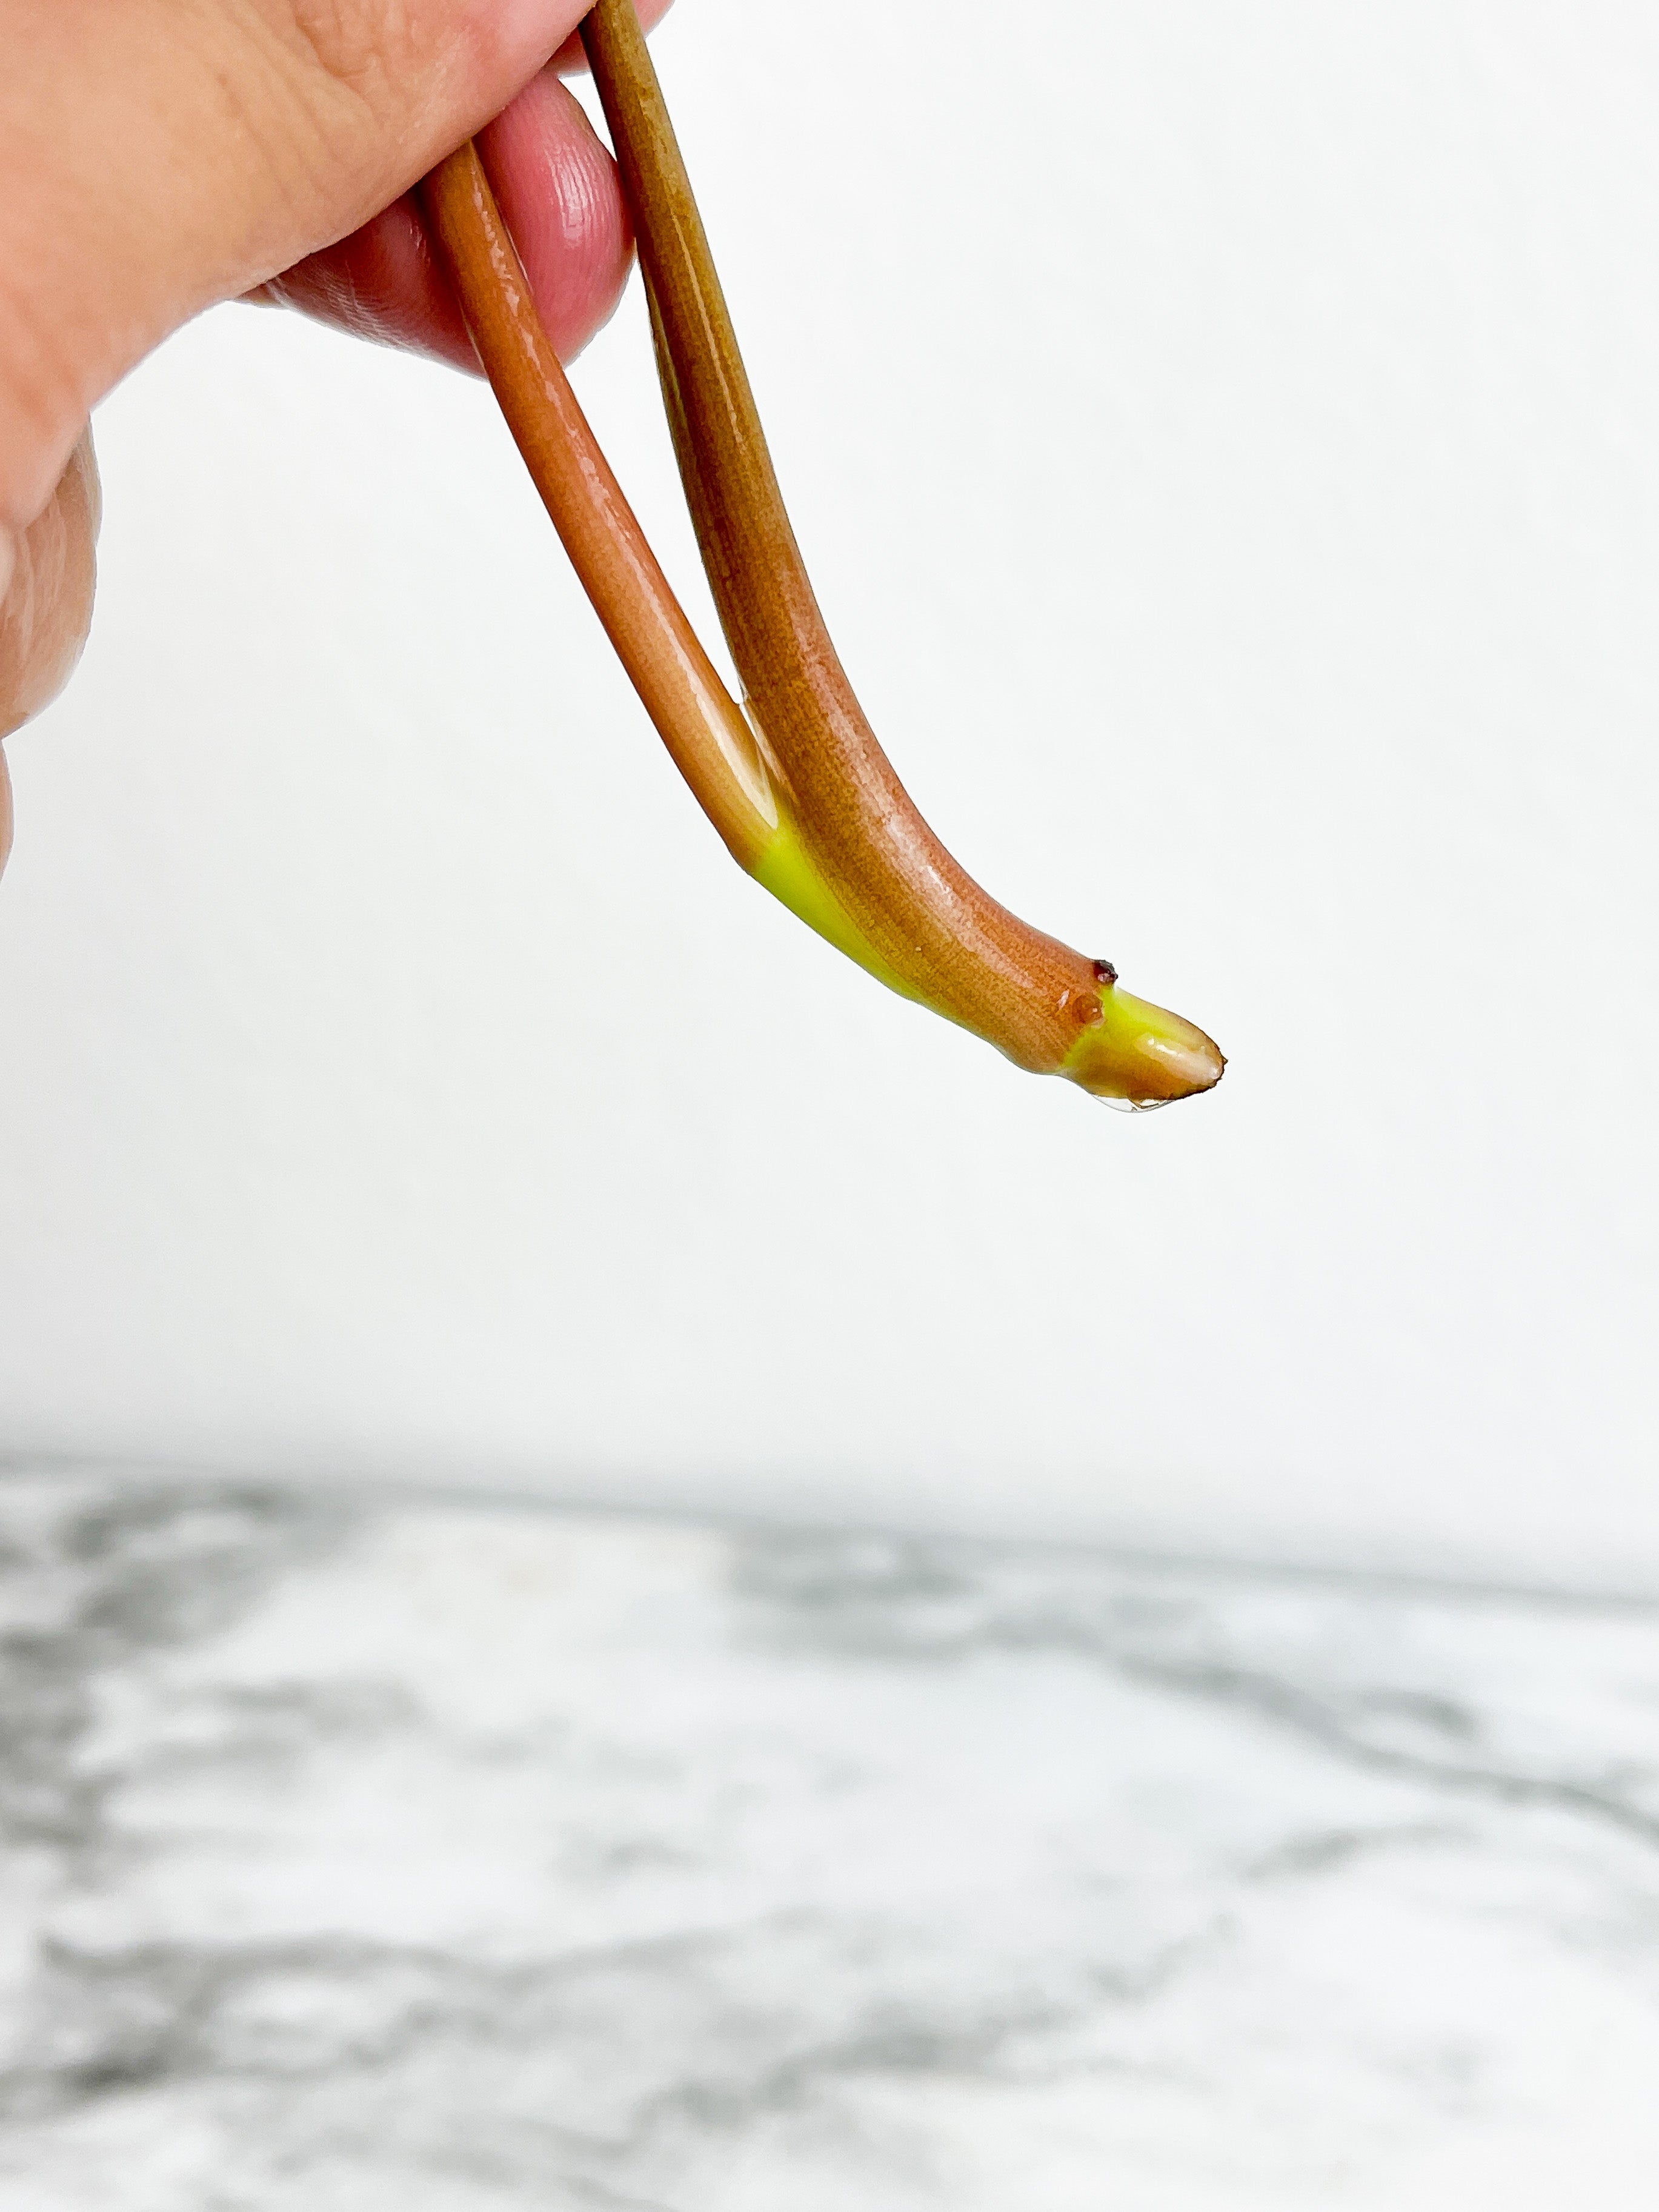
[1227, 445]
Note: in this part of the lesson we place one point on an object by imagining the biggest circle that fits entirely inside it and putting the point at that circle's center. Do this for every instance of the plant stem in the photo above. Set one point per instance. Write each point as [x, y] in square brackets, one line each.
[805, 799]
[711, 743]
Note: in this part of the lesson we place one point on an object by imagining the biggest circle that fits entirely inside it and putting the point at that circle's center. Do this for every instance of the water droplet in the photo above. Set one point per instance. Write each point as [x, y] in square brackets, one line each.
[1136, 1105]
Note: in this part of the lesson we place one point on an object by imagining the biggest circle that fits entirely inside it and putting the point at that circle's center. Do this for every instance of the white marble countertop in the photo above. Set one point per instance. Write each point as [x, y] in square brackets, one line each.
[452, 1858]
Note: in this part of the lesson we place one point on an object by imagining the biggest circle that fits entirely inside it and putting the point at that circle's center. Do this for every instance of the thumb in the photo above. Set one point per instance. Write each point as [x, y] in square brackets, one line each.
[46, 578]
[48, 573]
[164, 155]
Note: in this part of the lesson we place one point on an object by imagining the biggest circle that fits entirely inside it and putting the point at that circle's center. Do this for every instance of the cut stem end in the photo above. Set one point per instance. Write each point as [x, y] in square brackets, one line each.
[1140, 1054]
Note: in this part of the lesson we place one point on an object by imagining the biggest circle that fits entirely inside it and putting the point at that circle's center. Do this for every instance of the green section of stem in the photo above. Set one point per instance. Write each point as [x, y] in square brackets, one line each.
[1141, 1053]
[1135, 1055]
[786, 870]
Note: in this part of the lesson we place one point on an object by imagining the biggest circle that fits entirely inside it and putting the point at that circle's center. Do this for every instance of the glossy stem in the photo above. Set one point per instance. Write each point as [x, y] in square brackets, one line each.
[929, 922]
[703, 727]
[815, 813]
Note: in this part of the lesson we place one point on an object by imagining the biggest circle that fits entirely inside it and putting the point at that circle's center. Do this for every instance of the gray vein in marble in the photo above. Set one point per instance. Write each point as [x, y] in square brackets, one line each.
[915, 1606]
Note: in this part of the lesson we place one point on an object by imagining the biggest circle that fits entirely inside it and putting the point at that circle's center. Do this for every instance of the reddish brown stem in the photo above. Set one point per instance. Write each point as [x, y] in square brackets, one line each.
[704, 730]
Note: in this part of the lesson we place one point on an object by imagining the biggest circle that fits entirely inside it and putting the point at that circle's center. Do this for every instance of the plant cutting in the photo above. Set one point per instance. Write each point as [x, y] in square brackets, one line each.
[793, 778]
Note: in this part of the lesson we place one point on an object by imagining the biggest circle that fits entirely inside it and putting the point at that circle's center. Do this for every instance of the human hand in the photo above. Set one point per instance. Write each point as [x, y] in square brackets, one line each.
[160, 156]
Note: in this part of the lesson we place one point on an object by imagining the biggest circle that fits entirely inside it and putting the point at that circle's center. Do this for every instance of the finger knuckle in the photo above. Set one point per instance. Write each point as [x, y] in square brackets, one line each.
[364, 45]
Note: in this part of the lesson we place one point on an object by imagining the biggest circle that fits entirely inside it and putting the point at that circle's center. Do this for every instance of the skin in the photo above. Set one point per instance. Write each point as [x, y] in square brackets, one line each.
[158, 156]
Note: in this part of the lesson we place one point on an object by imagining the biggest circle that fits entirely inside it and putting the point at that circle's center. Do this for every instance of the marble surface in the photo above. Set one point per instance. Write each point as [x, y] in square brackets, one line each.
[449, 1858]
